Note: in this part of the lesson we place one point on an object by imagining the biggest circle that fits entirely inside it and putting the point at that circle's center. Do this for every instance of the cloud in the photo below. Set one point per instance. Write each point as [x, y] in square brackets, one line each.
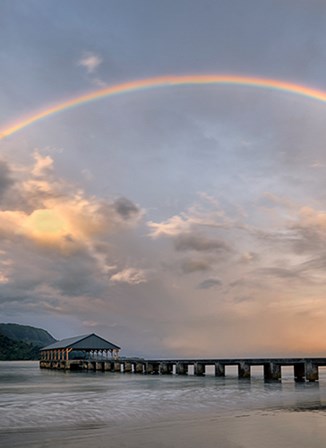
[53, 212]
[63, 222]
[91, 62]
[209, 283]
[132, 276]
[317, 164]
[6, 180]
[62, 234]
[199, 243]
[310, 218]
[202, 231]
[205, 214]
[43, 164]
[248, 257]
[196, 265]
[283, 273]
[126, 209]
[308, 229]
[171, 227]
[81, 274]
[314, 264]
[270, 199]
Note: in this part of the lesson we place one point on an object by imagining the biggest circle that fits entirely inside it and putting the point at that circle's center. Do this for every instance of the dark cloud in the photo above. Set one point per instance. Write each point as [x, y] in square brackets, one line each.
[70, 275]
[190, 266]
[200, 243]
[126, 208]
[5, 178]
[209, 283]
[79, 275]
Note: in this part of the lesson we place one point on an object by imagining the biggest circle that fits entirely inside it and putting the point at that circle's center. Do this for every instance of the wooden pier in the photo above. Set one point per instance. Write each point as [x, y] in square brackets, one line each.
[93, 353]
[305, 369]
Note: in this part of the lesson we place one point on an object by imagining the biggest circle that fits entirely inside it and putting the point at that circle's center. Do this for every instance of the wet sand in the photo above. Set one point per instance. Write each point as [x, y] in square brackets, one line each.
[264, 429]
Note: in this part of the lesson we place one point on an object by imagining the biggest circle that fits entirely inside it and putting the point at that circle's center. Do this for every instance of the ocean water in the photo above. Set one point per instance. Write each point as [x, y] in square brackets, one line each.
[54, 408]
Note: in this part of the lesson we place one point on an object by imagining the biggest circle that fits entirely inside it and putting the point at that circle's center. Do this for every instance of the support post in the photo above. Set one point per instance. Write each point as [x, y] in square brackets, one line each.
[199, 369]
[272, 372]
[312, 373]
[244, 370]
[108, 366]
[181, 369]
[139, 367]
[68, 350]
[152, 368]
[127, 367]
[219, 369]
[299, 372]
[99, 366]
[117, 367]
[165, 368]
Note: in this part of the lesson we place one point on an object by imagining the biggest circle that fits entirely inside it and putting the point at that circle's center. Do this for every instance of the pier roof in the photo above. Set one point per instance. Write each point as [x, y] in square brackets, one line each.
[84, 342]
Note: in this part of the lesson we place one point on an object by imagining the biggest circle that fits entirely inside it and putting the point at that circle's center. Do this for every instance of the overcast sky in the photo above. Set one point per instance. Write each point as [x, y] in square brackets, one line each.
[183, 221]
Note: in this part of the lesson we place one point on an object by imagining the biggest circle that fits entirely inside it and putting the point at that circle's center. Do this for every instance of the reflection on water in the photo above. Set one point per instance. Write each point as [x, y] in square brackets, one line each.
[34, 398]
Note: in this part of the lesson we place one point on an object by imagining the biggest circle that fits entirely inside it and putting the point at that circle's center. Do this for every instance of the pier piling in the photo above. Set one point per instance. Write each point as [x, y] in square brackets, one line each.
[219, 369]
[299, 372]
[127, 367]
[272, 372]
[311, 371]
[139, 367]
[152, 368]
[166, 368]
[244, 370]
[181, 368]
[108, 366]
[199, 369]
[305, 369]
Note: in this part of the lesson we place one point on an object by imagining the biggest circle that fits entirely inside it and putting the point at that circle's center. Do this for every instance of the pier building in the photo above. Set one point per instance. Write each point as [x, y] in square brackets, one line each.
[69, 353]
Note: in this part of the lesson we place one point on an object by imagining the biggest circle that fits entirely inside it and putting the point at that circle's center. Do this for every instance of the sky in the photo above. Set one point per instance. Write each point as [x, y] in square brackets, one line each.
[184, 220]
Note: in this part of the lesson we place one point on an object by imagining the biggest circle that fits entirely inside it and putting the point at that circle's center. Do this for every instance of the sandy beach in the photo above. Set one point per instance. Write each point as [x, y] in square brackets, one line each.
[241, 430]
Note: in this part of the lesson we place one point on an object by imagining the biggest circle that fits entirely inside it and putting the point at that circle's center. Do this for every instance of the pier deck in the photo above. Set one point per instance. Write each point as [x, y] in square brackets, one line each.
[305, 369]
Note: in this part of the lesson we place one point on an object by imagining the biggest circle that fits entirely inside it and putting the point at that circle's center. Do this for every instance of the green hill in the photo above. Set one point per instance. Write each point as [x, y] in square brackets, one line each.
[22, 342]
[31, 335]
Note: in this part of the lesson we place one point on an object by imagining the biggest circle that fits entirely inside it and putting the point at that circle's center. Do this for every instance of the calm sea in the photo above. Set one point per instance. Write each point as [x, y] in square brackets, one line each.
[53, 408]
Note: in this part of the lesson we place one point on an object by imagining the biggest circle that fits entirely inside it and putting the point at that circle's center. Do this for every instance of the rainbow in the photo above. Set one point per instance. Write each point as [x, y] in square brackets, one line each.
[163, 82]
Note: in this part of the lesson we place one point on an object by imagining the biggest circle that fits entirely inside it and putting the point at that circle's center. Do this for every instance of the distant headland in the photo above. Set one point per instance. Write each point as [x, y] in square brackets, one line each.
[22, 342]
